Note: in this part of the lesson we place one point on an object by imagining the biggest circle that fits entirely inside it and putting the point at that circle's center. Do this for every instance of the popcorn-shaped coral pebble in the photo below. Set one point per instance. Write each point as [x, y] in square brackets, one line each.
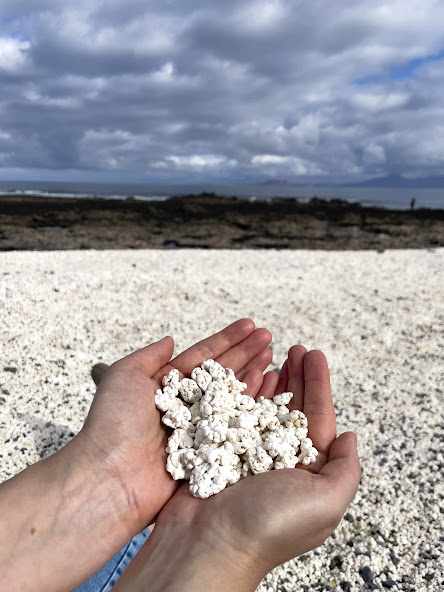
[242, 439]
[215, 385]
[202, 377]
[221, 436]
[298, 419]
[235, 385]
[282, 413]
[219, 400]
[290, 436]
[216, 371]
[166, 399]
[207, 479]
[177, 417]
[180, 438]
[205, 408]
[308, 452]
[276, 445]
[172, 379]
[189, 390]
[214, 431]
[301, 433]
[244, 402]
[269, 421]
[180, 463]
[267, 404]
[246, 420]
[287, 461]
[283, 398]
[209, 453]
[259, 460]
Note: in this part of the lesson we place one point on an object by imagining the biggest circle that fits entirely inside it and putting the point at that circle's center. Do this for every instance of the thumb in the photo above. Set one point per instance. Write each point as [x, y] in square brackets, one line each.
[343, 470]
[151, 358]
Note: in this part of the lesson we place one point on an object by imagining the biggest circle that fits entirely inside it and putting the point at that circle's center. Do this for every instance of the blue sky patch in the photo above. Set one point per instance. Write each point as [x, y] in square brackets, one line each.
[368, 80]
[408, 70]
[11, 25]
[402, 72]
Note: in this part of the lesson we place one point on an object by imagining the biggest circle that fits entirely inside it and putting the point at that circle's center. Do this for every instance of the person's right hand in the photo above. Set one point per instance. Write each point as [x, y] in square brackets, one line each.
[232, 539]
[123, 430]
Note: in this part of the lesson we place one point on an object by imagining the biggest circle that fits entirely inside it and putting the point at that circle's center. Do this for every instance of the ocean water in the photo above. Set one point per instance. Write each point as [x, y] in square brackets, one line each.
[394, 198]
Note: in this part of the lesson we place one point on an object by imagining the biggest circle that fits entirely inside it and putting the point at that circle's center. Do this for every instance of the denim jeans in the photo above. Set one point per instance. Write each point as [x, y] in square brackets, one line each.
[105, 578]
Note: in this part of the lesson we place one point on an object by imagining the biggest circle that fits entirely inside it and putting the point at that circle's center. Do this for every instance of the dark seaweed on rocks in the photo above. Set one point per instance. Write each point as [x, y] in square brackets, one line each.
[211, 221]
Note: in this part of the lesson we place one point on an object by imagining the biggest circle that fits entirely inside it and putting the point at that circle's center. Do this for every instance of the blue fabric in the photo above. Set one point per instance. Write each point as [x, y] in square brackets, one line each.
[104, 580]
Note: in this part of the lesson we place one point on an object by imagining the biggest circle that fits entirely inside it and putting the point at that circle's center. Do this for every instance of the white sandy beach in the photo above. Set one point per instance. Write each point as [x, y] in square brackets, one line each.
[379, 318]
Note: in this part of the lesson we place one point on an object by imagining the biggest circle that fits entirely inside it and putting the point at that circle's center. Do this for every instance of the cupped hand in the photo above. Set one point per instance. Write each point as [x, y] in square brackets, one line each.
[267, 519]
[123, 427]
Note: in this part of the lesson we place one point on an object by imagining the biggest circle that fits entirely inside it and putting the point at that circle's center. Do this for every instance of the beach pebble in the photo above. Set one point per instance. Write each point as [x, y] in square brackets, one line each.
[366, 573]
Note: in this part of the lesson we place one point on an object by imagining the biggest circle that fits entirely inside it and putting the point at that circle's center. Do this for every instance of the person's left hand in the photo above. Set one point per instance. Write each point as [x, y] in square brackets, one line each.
[123, 430]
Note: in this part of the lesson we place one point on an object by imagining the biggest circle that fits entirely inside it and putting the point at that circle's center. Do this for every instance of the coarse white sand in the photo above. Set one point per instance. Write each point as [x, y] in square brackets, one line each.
[379, 318]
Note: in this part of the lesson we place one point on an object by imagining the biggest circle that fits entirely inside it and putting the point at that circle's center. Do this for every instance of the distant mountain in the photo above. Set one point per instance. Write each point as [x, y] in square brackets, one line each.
[402, 182]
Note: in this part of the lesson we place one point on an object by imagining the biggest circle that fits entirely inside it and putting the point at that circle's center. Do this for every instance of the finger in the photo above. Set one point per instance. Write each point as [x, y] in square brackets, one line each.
[318, 402]
[268, 387]
[151, 358]
[261, 362]
[296, 355]
[242, 357]
[282, 385]
[343, 470]
[211, 347]
[254, 379]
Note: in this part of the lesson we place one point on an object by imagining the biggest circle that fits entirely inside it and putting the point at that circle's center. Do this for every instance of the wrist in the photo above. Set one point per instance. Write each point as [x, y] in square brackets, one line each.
[183, 557]
[92, 474]
[54, 510]
[91, 511]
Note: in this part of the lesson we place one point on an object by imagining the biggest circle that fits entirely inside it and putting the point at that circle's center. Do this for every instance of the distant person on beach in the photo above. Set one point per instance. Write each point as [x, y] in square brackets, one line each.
[412, 203]
[83, 512]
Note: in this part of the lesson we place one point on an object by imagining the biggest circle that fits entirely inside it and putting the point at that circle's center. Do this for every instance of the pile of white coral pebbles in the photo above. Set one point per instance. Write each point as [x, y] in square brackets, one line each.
[221, 436]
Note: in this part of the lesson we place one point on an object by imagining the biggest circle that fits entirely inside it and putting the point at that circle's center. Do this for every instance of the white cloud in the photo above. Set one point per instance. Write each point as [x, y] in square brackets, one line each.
[13, 53]
[165, 74]
[196, 161]
[268, 159]
[272, 164]
[260, 15]
[379, 101]
[67, 102]
[148, 34]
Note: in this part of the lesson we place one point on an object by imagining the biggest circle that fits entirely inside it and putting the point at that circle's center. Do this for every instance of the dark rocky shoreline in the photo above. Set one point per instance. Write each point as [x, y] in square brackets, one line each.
[212, 222]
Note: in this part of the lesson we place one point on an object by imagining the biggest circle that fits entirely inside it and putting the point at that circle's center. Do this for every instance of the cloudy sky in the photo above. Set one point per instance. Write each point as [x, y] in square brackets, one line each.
[232, 91]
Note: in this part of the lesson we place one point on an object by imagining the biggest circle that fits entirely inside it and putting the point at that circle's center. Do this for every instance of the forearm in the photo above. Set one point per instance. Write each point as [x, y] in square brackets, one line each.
[60, 521]
[177, 559]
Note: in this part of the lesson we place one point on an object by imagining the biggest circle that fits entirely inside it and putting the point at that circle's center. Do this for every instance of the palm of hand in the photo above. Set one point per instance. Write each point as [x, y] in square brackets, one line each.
[124, 426]
[267, 519]
[275, 516]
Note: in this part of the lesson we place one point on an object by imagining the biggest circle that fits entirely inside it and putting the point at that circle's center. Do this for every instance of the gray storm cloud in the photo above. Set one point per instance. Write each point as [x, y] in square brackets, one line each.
[228, 91]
